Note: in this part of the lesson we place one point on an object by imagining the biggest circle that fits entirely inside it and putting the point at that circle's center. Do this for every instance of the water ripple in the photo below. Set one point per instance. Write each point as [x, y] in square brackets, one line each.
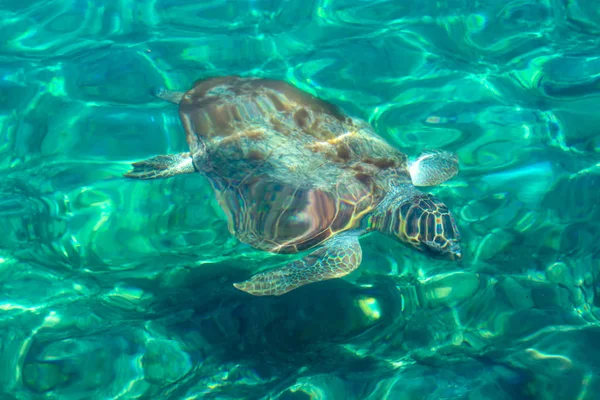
[122, 289]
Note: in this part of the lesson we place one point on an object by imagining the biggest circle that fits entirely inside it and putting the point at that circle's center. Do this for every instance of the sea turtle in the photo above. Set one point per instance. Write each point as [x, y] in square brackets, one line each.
[293, 172]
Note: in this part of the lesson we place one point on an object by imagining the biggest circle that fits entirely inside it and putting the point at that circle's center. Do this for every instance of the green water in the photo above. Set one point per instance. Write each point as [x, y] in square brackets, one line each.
[121, 289]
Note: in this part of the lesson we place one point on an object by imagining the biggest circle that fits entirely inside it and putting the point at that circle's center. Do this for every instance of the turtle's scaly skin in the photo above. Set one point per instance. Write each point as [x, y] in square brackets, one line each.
[424, 222]
[290, 170]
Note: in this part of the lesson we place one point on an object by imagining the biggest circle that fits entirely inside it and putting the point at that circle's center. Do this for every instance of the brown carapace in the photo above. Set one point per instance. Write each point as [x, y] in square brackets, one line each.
[293, 173]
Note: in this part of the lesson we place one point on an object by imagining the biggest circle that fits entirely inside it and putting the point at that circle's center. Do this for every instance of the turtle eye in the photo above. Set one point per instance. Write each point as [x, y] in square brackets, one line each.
[428, 225]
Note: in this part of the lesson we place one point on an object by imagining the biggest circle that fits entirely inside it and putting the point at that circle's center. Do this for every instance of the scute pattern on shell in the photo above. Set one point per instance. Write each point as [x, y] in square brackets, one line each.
[290, 170]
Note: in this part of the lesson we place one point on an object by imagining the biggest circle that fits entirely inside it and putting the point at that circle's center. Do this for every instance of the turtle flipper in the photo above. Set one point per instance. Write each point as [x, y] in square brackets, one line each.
[171, 96]
[162, 166]
[337, 257]
[433, 167]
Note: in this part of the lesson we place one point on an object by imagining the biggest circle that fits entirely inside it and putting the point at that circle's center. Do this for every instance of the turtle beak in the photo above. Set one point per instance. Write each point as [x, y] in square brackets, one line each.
[454, 253]
[446, 244]
[448, 251]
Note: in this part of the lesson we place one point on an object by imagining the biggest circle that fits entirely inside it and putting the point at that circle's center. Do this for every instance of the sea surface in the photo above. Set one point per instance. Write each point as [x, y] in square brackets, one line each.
[113, 288]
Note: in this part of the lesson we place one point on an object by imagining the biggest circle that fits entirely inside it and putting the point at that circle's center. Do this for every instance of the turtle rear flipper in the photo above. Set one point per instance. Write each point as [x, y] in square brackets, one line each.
[337, 257]
[163, 166]
[433, 167]
[171, 96]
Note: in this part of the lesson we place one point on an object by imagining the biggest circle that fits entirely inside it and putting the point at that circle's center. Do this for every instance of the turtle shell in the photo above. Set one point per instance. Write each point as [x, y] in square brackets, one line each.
[290, 170]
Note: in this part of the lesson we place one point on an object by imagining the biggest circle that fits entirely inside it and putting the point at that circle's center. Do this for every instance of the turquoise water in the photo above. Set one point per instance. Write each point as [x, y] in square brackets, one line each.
[122, 289]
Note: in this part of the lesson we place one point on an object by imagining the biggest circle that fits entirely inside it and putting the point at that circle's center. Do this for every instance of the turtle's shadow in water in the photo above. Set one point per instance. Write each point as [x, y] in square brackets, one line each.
[299, 328]
[310, 331]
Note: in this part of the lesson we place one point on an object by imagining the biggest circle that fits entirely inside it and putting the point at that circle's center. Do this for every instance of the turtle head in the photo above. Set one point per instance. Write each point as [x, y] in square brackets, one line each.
[424, 222]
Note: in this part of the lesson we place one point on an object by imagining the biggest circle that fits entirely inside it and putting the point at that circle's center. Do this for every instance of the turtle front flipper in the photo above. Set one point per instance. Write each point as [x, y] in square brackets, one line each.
[433, 167]
[162, 166]
[171, 96]
[337, 257]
